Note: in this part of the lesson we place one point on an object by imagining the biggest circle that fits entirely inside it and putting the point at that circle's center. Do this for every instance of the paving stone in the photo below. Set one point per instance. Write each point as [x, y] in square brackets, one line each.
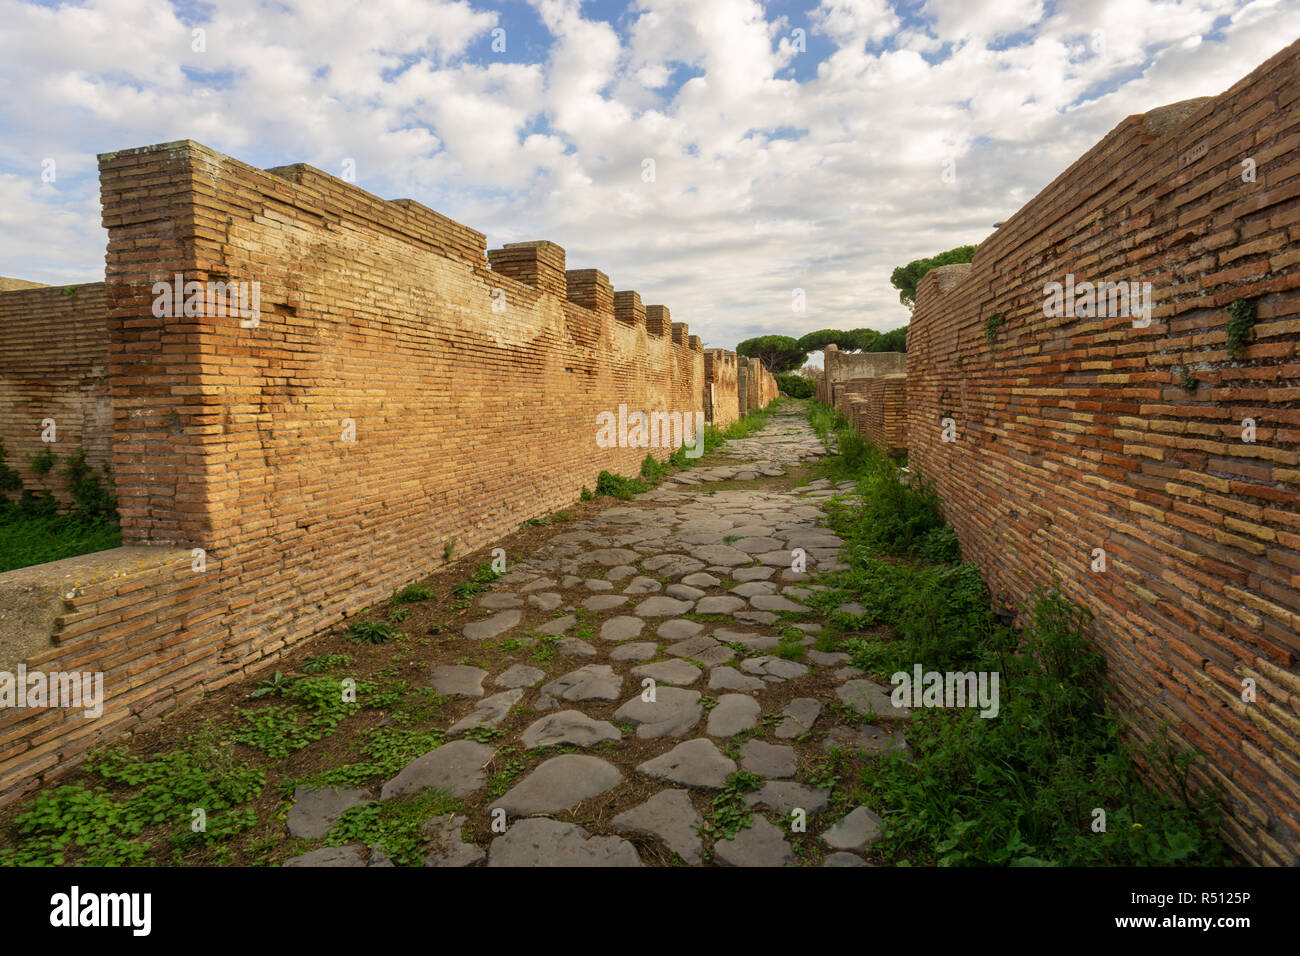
[547, 601]
[749, 639]
[620, 572]
[761, 844]
[791, 576]
[672, 713]
[721, 555]
[692, 763]
[598, 584]
[669, 816]
[857, 831]
[349, 855]
[575, 647]
[757, 573]
[852, 609]
[785, 796]
[568, 727]
[763, 618]
[455, 768]
[684, 592]
[643, 585]
[679, 629]
[675, 566]
[500, 599]
[493, 626]
[636, 651]
[752, 588]
[669, 672]
[446, 848]
[559, 783]
[798, 593]
[733, 713]
[800, 715]
[701, 580]
[569, 580]
[604, 602]
[662, 606]
[316, 809]
[609, 557]
[519, 675]
[557, 626]
[590, 682]
[703, 649]
[768, 666]
[868, 697]
[490, 711]
[719, 604]
[542, 842]
[866, 738]
[768, 760]
[775, 559]
[775, 602]
[758, 544]
[621, 628]
[729, 678]
[458, 680]
[843, 859]
[848, 673]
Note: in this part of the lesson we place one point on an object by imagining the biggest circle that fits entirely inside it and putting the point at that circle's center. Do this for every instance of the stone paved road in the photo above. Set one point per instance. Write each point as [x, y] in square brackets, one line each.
[665, 614]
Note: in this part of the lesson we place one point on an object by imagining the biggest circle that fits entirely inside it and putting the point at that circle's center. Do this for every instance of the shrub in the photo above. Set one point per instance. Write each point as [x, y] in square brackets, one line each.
[796, 386]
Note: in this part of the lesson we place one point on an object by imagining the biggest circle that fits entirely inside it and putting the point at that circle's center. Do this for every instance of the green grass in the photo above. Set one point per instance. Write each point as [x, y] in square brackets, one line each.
[25, 541]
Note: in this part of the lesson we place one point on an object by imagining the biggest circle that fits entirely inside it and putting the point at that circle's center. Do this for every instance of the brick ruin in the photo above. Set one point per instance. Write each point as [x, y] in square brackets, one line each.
[399, 389]
[1070, 431]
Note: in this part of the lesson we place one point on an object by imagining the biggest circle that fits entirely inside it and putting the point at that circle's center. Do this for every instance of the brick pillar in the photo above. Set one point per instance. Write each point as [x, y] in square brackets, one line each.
[539, 264]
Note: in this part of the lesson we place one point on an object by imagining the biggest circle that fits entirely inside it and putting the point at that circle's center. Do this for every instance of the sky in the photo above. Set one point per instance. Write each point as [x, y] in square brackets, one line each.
[759, 168]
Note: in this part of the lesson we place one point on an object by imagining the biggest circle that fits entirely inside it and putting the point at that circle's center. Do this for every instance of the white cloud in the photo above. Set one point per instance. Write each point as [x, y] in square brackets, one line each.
[764, 183]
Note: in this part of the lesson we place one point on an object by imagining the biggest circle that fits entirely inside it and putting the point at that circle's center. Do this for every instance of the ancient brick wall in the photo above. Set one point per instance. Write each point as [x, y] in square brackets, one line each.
[877, 408]
[721, 384]
[54, 365]
[839, 367]
[392, 394]
[1078, 432]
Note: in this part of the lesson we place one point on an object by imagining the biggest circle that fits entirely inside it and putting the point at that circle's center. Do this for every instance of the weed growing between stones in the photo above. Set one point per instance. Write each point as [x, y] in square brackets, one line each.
[1019, 789]
[396, 826]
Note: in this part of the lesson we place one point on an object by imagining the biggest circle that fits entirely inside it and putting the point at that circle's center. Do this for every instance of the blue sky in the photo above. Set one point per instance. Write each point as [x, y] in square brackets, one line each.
[795, 144]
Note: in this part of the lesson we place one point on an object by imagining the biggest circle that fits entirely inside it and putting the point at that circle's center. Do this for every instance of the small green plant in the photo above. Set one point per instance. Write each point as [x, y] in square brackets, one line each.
[1187, 382]
[483, 734]
[477, 582]
[730, 815]
[618, 486]
[449, 550]
[561, 516]
[1240, 324]
[993, 324]
[326, 662]
[399, 614]
[44, 460]
[410, 594]
[651, 469]
[397, 826]
[372, 632]
[587, 494]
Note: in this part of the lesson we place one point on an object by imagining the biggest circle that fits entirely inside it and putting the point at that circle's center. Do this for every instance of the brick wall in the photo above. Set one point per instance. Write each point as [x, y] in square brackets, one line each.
[721, 384]
[473, 390]
[877, 408]
[1073, 432]
[839, 367]
[54, 365]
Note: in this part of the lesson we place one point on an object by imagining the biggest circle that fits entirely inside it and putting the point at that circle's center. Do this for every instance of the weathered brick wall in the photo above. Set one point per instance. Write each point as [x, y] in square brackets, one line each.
[141, 617]
[474, 392]
[1073, 433]
[721, 384]
[839, 367]
[468, 420]
[877, 408]
[54, 365]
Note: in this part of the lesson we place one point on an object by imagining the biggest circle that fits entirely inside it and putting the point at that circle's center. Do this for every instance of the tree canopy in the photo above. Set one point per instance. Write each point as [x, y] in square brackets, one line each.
[856, 340]
[906, 277]
[778, 353]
